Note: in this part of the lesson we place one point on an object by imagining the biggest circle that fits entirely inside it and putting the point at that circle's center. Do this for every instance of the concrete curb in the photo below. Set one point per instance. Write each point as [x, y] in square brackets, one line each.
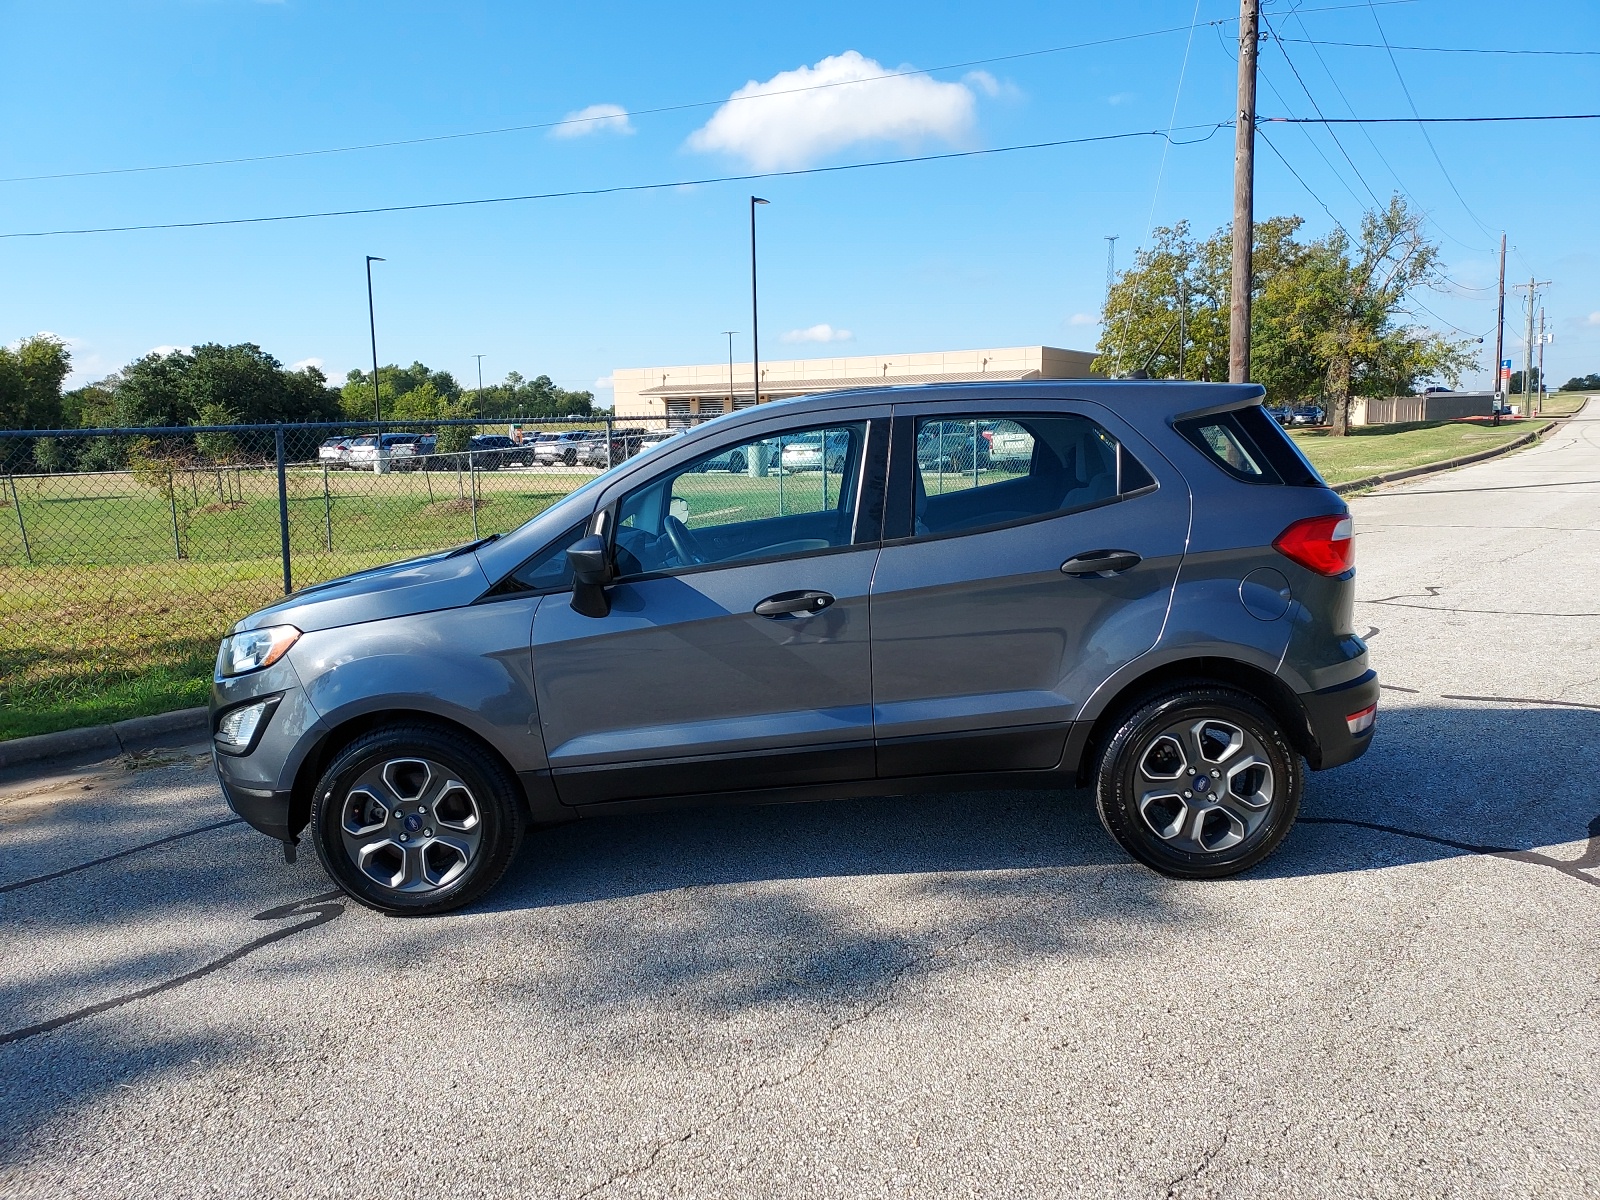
[121, 737]
[1449, 464]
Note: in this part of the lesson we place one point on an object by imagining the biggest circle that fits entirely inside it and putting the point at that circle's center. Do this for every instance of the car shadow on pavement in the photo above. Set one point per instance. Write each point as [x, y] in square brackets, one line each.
[1439, 782]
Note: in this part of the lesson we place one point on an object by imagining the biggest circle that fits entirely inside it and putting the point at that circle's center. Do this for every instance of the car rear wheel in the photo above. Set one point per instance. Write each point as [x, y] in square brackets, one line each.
[414, 820]
[1199, 783]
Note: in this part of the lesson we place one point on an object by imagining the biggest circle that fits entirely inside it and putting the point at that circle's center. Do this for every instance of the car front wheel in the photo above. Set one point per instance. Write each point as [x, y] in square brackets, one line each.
[1199, 783]
[413, 820]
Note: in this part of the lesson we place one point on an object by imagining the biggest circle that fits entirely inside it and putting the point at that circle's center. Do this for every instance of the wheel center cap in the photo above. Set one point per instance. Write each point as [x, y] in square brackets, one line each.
[1201, 784]
[413, 823]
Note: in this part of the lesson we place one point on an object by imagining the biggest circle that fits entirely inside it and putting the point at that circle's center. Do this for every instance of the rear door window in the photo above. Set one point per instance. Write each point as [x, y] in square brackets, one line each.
[981, 472]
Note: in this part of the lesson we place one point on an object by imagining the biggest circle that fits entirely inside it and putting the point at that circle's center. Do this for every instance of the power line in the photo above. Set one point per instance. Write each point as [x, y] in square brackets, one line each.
[632, 187]
[1443, 49]
[1371, 141]
[1317, 108]
[1426, 136]
[1431, 120]
[1262, 133]
[645, 112]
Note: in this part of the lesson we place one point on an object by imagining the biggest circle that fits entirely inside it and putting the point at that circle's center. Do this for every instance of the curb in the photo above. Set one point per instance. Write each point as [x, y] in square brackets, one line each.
[1449, 464]
[120, 737]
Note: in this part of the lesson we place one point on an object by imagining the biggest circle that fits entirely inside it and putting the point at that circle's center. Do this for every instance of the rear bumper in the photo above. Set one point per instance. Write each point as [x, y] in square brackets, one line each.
[1327, 713]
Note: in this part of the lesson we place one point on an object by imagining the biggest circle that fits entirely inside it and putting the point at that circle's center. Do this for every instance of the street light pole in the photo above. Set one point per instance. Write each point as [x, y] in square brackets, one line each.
[478, 399]
[755, 324]
[377, 403]
[728, 333]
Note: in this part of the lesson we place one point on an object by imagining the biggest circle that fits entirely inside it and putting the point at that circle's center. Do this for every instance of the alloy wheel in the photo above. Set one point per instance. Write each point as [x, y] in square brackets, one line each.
[409, 825]
[1204, 785]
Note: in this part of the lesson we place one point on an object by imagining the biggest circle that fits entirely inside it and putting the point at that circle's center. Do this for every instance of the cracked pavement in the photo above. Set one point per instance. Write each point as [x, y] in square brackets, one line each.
[945, 995]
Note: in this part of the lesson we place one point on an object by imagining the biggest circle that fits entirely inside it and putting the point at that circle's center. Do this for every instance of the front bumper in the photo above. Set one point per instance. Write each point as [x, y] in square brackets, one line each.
[259, 786]
[1326, 715]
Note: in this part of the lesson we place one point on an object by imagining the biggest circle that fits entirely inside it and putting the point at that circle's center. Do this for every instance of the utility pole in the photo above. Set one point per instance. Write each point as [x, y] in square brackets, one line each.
[1183, 323]
[755, 324]
[1543, 338]
[1499, 333]
[1533, 285]
[728, 333]
[1111, 268]
[1244, 183]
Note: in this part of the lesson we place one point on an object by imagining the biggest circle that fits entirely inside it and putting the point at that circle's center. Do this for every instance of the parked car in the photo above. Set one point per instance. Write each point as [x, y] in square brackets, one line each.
[335, 451]
[491, 451]
[805, 452]
[402, 451]
[953, 446]
[1158, 608]
[624, 444]
[657, 437]
[1305, 414]
[565, 448]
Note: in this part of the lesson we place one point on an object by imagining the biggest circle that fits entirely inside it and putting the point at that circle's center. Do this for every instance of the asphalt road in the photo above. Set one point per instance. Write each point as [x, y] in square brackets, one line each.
[924, 996]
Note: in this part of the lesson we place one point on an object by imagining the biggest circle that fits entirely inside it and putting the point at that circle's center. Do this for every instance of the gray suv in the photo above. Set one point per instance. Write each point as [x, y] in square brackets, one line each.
[1149, 595]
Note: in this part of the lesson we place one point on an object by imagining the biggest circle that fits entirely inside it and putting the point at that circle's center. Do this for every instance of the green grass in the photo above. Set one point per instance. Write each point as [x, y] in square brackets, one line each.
[1378, 449]
[1564, 404]
[108, 622]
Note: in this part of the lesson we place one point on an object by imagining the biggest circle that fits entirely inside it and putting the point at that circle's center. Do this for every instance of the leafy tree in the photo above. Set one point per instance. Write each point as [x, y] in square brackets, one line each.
[1326, 315]
[538, 397]
[172, 389]
[1582, 383]
[355, 398]
[31, 375]
[1516, 381]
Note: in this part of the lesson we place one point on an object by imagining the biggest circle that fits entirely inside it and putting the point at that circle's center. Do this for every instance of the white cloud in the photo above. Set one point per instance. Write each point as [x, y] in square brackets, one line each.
[318, 363]
[597, 118]
[808, 113]
[984, 82]
[1592, 319]
[166, 350]
[1083, 319]
[1122, 98]
[818, 333]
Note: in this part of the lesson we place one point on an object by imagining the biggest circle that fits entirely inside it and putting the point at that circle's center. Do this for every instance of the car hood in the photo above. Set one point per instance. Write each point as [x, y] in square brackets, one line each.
[449, 579]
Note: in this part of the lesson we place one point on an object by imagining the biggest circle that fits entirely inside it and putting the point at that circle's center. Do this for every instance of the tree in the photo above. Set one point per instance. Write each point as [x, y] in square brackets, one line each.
[1344, 306]
[1325, 319]
[31, 374]
[539, 397]
[1516, 381]
[1582, 383]
[394, 382]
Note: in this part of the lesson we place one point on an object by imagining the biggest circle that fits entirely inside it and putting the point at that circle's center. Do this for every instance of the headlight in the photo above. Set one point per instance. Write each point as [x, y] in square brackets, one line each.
[246, 652]
[237, 728]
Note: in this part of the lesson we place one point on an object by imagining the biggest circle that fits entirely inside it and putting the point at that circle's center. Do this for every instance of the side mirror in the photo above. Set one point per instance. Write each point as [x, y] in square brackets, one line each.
[592, 569]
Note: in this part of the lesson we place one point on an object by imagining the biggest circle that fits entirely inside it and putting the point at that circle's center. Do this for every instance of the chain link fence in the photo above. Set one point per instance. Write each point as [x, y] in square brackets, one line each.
[126, 553]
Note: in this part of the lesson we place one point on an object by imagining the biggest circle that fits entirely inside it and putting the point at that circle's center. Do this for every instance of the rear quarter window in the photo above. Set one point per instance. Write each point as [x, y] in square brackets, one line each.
[1249, 445]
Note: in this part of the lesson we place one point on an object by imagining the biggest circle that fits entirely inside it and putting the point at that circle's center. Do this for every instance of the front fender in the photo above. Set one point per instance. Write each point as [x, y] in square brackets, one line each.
[472, 666]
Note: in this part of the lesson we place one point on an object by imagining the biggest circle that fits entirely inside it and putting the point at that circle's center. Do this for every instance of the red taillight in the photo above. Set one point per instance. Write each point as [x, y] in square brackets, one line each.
[1360, 722]
[1325, 545]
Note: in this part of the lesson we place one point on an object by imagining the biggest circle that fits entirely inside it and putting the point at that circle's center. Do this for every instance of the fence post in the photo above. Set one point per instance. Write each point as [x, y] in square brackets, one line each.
[172, 503]
[16, 503]
[283, 508]
[472, 472]
[327, 509]
[611, 432]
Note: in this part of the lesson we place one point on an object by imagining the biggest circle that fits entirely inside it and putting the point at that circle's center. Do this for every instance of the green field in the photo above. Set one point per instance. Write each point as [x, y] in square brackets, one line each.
[114, 593]
[114, 590]
[1564, 404]
[1378, 449]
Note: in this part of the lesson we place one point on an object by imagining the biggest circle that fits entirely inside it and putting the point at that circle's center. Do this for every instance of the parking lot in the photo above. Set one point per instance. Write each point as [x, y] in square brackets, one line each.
[969, 994]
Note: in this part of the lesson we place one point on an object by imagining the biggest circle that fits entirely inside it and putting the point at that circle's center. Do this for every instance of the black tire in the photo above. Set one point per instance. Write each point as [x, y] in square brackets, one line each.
[493, 804]
[737, 463]
[570, 458]
[1132, 803]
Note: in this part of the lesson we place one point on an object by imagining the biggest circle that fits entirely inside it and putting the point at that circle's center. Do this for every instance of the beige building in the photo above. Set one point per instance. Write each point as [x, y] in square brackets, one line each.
[684, 393]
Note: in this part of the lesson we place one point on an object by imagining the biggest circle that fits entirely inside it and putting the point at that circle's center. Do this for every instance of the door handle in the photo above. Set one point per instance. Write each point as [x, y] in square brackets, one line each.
[1100, 562]
[793, 604]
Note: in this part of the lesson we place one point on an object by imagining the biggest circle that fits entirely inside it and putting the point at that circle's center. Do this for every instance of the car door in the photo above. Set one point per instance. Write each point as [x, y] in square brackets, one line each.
[1006, 592]
[736, 650]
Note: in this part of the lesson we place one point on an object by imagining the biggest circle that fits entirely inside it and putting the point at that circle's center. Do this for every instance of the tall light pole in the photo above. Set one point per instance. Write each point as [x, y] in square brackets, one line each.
[728, 333]
[755, 325]
[377, 403]
[1244, 184]
[478, 399]
[1111, 269]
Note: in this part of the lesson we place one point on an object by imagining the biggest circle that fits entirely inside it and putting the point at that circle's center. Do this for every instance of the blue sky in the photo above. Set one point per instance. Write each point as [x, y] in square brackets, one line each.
[1004, 249]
